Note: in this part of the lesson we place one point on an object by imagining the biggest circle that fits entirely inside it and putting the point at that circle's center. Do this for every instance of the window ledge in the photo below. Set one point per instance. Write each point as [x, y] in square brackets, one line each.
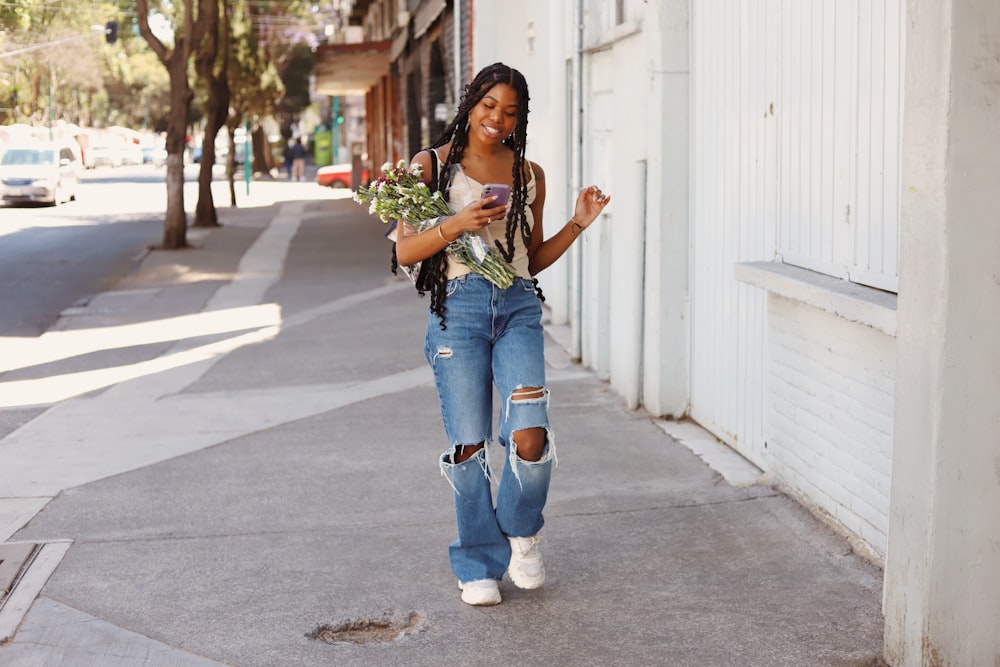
[853, 302]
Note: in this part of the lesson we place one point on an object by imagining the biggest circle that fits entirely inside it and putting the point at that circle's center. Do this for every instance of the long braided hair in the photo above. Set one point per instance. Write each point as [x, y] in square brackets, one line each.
[434, 270]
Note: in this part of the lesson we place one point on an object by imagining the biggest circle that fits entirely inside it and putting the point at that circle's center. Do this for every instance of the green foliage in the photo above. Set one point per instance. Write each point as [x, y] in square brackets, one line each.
[68, 63]
[296, 79]
[98, 84]
[254, 84]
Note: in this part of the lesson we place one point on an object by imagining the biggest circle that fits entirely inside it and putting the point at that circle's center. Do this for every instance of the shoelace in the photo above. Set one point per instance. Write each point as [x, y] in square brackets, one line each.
[527, 547]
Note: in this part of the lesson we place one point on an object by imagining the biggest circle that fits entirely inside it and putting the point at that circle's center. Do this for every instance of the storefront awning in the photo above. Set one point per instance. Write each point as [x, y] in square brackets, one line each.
[350, 69]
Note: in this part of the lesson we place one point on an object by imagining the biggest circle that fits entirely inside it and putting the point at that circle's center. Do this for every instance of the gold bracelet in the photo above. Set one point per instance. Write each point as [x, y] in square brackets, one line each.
[441, 234]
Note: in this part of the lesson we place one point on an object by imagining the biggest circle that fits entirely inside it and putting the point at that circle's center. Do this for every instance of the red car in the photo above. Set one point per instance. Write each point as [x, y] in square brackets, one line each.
[338, 176]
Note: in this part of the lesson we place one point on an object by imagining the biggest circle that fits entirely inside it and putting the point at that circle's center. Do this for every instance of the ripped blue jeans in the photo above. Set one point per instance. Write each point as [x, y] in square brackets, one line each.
[494, 337]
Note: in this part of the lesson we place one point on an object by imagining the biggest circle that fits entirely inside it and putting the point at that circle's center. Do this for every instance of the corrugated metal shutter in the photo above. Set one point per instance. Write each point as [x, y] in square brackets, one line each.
[839, 112]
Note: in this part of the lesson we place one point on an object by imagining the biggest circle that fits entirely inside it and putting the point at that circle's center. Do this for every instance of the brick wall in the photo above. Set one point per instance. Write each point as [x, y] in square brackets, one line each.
[830, 414]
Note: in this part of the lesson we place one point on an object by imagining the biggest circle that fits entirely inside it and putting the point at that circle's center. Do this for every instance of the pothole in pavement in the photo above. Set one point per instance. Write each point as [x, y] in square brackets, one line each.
[387, 627]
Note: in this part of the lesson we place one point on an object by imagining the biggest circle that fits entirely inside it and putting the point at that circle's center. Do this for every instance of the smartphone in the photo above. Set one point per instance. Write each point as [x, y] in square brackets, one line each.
[501, 191]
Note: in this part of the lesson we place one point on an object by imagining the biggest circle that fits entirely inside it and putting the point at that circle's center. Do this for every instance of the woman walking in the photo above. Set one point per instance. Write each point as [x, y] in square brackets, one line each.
[480, 335]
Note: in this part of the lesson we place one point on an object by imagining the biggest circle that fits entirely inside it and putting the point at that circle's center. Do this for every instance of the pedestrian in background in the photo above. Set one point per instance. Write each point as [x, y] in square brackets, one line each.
[298, 155]
[287, 155]
[480, 335]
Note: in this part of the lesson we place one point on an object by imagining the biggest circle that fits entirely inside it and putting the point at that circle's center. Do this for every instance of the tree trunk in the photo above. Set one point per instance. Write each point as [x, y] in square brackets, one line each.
[175, 60]
[216, 111]
[175, 223]
[261, 152]
[216, 108]
[204, 213]
[36, 88]
[231, 165]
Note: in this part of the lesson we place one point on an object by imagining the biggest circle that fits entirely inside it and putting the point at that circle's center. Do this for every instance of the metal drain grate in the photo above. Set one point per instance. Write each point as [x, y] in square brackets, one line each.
[14, 561]
[387, 627]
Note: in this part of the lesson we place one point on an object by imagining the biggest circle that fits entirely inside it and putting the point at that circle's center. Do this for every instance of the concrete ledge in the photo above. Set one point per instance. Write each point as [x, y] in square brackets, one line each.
[29, 586]
[853, 302]
[736, 470]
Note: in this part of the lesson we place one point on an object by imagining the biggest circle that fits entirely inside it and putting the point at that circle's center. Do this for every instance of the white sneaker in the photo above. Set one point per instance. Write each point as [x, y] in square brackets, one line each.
[526, 568]
[481, 592]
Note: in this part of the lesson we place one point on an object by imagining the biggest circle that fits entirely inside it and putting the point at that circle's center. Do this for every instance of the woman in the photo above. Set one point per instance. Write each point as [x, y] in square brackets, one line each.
[479, 334]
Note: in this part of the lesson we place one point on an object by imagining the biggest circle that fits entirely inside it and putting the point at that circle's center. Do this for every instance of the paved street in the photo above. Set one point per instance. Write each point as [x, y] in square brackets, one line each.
[230, 458]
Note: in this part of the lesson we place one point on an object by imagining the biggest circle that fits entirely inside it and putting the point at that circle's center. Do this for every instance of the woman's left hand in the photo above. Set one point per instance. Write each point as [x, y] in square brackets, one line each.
[589, 205]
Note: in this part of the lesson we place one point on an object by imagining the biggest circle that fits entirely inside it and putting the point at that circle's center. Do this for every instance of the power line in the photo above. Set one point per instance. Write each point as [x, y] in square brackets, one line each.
[44, 45]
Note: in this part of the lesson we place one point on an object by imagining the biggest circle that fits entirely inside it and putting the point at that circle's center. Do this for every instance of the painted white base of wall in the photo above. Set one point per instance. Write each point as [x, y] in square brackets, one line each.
[721, 458]
[831, 385]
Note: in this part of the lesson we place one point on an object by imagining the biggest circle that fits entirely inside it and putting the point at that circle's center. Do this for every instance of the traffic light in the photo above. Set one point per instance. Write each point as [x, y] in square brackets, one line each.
[111, 32]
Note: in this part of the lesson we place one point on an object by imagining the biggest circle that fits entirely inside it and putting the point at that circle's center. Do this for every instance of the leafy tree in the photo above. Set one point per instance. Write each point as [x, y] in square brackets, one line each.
[286, 36]
[149, 88]
[255, 89]
[52, 58]
[191, 26]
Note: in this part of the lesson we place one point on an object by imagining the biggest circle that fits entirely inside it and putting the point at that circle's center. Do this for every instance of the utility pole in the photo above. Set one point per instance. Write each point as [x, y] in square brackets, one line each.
[52, 77]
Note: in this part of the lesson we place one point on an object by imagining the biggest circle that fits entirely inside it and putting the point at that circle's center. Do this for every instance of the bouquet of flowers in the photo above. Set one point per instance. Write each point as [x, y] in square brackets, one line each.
[399, 195]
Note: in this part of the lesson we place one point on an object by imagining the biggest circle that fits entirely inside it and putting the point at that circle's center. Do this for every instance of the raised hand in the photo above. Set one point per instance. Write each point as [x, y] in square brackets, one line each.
[589, 204]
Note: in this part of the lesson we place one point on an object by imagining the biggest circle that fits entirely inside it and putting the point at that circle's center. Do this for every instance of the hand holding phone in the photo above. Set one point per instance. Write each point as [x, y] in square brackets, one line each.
[501, 191]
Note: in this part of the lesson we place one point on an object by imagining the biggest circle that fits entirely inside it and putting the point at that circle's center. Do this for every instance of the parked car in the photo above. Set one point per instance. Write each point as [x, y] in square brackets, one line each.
[104, 155]
[129, 144]
[338, 176]
[40, 172]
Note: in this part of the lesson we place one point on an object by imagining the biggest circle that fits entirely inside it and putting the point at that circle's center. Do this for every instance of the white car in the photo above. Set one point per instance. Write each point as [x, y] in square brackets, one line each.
[40, 172]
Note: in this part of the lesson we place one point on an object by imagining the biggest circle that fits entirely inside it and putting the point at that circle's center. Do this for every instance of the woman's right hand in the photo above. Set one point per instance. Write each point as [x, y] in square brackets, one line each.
[474, 217]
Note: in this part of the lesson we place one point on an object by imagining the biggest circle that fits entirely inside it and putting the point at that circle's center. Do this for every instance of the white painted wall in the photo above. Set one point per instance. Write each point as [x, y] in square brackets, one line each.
[942, 589]
[733, 195]
[666, 337]
[536, 39]
[624, 286]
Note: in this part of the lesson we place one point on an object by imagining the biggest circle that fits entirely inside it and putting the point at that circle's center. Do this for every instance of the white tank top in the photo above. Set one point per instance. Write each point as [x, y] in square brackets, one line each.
[463, 191]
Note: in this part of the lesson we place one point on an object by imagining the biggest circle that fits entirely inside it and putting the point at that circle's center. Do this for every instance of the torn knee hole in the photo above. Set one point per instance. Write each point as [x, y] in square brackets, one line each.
[528, 394]
[465, 452]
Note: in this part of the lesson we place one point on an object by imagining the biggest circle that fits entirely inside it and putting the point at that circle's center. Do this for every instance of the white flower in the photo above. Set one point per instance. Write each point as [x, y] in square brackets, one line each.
[387, 166]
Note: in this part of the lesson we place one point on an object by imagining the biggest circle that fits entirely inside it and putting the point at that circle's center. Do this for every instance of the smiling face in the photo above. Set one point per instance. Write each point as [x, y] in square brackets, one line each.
[495, 116]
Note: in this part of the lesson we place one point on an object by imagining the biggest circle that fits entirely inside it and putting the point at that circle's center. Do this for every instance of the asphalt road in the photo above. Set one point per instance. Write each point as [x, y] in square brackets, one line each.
[52, 258]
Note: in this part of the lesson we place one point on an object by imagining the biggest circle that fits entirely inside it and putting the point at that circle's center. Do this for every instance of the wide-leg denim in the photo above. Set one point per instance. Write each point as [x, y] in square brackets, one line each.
[493, 337]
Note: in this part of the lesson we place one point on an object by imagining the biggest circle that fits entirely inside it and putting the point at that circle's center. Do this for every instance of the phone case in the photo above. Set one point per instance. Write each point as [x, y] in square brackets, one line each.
[500, 190]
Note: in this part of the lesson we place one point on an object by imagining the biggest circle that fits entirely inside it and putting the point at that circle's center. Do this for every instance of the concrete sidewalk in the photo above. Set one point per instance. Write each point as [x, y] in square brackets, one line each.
[231, 459]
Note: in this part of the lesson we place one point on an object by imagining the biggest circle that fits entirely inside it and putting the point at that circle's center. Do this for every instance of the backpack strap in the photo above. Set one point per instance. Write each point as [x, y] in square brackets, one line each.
[435, 161]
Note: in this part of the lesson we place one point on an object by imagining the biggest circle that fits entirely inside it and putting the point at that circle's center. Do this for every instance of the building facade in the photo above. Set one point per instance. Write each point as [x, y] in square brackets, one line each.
[801, 253]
